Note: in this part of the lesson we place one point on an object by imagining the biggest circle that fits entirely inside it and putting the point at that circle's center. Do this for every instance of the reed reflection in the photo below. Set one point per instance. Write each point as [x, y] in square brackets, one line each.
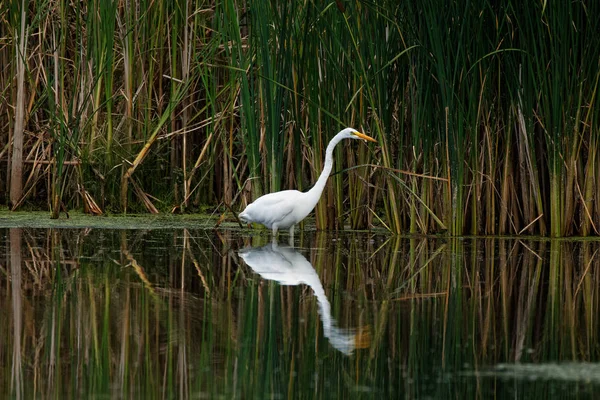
[142, 313]
[17, 311]
[287, 266]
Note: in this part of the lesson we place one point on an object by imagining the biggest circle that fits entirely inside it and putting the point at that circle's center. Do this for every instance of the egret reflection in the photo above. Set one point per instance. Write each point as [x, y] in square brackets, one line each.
[287, 266]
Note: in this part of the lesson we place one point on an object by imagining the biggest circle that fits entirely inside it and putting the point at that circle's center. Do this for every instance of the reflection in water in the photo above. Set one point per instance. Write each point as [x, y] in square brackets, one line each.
[17, 309]
[90, 313]
[287, 266]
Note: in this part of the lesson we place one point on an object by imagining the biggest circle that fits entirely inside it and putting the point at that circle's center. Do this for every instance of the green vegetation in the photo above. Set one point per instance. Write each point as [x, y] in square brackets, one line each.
[485, 112]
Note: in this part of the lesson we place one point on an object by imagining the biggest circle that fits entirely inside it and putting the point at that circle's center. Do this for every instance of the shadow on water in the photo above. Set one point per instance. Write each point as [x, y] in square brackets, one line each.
[185, 313]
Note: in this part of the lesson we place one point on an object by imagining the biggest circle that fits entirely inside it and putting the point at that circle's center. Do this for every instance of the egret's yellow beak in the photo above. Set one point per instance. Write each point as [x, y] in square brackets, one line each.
[365, 137]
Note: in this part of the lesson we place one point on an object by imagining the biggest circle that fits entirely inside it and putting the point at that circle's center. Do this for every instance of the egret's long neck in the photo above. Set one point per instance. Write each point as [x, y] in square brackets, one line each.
[320, 185]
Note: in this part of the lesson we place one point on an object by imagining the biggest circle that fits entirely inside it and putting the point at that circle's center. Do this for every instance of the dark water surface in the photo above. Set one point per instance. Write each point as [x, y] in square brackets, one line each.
[182, 313]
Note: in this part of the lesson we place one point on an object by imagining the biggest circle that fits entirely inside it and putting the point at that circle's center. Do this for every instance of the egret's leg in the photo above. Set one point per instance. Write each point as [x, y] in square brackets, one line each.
[274, 239]
[291, 238]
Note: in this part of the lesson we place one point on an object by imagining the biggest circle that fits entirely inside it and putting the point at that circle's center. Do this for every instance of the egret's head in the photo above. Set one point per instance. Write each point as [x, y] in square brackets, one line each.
[351, 133]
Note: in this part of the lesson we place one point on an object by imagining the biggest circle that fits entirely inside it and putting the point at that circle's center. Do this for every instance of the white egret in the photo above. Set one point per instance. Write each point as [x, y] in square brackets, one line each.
[283, 210]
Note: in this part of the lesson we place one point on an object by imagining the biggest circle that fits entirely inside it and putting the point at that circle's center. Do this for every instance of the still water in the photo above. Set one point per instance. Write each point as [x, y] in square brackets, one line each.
[183, 313]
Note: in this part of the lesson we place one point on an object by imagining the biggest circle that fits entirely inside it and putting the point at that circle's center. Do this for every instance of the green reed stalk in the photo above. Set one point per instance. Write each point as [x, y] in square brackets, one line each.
[67, 108]
[240, 59]
[374, 93]
[549, 73]
[108, 13]
[127, 36]
[273, 37]
[497, 103]
[423, 141]
[590, 188]
[101, 34]
[445, 67]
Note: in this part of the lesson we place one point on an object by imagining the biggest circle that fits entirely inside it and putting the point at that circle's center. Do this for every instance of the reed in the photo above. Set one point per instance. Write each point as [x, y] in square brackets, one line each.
[486, 114]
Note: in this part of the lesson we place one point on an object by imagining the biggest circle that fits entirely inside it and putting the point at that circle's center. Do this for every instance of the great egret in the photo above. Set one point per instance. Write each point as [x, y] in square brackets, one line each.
[283, 210]
[288, 267]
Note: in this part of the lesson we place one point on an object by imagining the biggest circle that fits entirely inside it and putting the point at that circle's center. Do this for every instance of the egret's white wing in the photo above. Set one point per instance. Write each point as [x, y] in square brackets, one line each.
[271, 208]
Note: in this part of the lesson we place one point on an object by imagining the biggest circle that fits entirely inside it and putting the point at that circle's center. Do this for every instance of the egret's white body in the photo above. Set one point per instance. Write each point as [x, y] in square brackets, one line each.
[289, 267]
[283, 210]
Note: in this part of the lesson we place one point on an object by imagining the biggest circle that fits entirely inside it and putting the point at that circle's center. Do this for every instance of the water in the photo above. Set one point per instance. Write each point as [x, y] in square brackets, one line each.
[183, 313]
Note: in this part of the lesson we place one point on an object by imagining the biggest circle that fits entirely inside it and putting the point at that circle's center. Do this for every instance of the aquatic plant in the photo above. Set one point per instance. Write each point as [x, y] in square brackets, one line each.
[486, 114]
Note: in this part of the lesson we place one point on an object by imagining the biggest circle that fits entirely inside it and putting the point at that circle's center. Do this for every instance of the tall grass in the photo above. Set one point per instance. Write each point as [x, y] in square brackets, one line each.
[486, 114]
